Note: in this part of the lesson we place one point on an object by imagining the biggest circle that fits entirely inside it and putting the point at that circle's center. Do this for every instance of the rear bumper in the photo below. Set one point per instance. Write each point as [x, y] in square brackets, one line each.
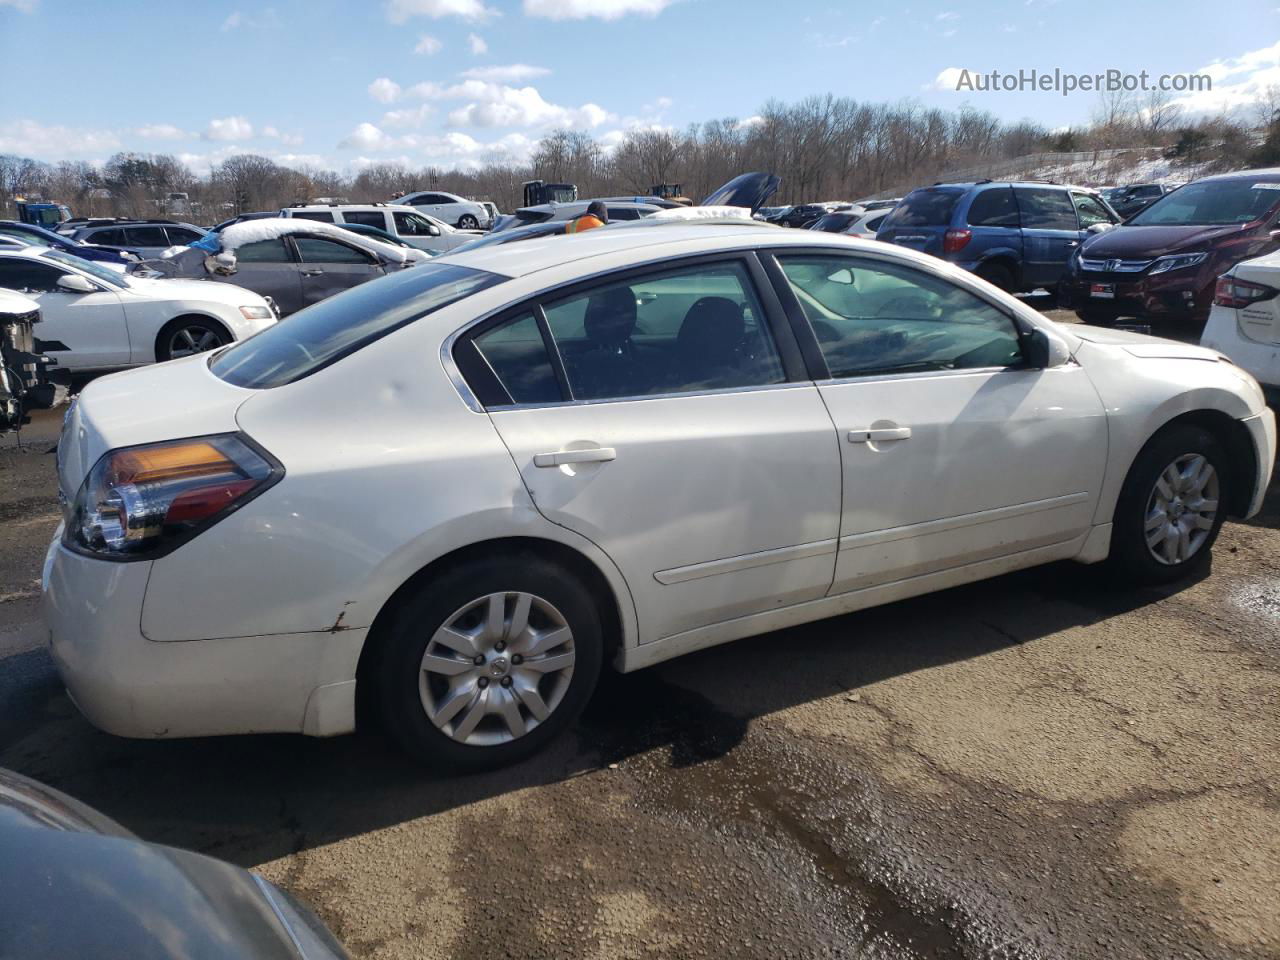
[130, 686]
[1222, 332]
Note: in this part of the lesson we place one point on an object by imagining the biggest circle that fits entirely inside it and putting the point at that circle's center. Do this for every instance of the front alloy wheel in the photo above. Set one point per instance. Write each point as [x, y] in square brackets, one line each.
[1182, 509]
[497, 668]
[192, 338]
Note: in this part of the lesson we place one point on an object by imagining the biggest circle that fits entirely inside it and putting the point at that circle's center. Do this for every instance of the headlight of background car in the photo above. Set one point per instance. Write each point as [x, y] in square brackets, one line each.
[141, 502]
[1177, 262]
[256, 313]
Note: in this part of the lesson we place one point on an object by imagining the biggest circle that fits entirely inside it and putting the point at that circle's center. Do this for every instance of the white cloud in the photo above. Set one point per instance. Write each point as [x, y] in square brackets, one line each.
[384, 90]
[511, 73]
[22, 6]
[367, 137]
[477, 44]
[428, 45]
[163, 131]
[408, 117]
[946, 80]
[228, 128]
[274, 133]
[30, 139]
[1237, 81]
[601, 9]
[398, 11]
[233, 20]
[947, 15]
[746, 123]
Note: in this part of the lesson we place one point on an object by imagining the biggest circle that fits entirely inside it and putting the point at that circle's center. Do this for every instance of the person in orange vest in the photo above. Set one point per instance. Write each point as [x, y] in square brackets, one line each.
[597, 215]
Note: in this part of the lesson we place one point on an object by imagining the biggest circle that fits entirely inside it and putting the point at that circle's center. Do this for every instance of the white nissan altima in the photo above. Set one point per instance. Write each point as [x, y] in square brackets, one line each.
[463, 489]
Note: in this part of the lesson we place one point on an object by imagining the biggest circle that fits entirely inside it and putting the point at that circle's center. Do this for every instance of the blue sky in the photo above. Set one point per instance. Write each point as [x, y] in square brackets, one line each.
[341, 83]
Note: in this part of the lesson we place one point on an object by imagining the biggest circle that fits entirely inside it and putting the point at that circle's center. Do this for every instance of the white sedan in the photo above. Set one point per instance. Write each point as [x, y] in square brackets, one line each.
[452, 209]
[1245, 320]
[95, 318]
[467, 487]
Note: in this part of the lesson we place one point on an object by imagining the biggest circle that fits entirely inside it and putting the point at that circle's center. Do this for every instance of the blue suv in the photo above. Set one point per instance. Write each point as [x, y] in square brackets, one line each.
[1018, 236]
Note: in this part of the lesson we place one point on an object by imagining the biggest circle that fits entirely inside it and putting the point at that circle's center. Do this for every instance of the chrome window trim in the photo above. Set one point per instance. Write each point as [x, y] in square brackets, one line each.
[722, 391]
[922, 375]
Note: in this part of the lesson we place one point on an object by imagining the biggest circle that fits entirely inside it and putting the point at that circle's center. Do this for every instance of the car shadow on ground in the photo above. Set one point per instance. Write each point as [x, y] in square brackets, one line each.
[254, 799]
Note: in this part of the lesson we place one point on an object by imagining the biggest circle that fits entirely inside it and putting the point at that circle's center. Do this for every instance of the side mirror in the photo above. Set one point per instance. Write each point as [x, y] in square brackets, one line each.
[1043, 350]
[1099, 227]
[74, 283]
[433, 231]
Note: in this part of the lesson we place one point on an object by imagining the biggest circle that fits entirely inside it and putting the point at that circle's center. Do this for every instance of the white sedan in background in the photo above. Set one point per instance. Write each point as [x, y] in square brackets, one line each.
[1245, 320]
[452, 209]
[95, 318]
[611, 448]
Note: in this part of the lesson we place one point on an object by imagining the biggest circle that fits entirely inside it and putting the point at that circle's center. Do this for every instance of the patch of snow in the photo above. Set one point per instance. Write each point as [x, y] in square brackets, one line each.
[736, 214]
[270, 228]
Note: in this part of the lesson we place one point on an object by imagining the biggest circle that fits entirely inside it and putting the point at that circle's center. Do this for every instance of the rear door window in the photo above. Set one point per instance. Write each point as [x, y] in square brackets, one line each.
[321, 216]
[1045, 209]
[370, 218]
[517, 354]
[924, 208]
[264, 251]
[145, 237]
[994, 208]
[109, 238]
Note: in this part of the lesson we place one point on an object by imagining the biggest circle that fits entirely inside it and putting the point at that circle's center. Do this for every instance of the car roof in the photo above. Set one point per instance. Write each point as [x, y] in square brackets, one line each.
[1266, 175]
[533, 255]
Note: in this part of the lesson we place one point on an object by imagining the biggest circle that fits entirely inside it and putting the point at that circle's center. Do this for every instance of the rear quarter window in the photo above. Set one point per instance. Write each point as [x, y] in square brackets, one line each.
[924, 208]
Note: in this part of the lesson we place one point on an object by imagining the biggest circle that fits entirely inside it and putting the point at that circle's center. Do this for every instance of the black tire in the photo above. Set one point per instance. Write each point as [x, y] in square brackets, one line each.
[468, 222]
[194, 332]
[416, 620]
[998, 275]
[1131, 558]
[1096, 318]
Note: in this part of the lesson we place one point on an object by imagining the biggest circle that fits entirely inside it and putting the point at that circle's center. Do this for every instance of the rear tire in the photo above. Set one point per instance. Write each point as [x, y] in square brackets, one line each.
[489, 662]
[997, 274]
[1171, 507]
[468, 222]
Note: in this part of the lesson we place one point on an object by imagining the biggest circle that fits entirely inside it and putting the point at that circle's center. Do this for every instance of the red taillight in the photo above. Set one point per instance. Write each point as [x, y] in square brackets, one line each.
[1236, 293]
[956, 240]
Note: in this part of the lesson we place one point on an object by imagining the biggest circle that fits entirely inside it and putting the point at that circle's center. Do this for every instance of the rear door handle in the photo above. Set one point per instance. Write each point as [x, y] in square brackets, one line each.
[880, 433]
[561, 457]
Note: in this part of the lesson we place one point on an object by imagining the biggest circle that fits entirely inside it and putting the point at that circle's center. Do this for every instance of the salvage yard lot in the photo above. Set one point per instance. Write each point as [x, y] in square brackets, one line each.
[1034, 766]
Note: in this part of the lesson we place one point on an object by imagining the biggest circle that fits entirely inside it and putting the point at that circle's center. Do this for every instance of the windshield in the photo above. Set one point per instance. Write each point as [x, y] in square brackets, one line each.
[924, 208]
[834, 222]
[1212, 203]
[106, 275]
[326, 332]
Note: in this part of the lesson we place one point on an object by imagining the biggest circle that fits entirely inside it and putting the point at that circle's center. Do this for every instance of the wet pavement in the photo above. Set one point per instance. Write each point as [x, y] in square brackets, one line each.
[1039, 766]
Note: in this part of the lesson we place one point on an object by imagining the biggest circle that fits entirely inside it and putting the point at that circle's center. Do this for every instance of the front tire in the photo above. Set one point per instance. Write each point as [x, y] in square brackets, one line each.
[187, 335]
[468, 222]
[1171, 507]
[489, 662]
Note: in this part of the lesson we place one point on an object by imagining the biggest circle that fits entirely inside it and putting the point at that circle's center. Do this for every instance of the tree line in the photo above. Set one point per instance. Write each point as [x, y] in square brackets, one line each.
[823, 147]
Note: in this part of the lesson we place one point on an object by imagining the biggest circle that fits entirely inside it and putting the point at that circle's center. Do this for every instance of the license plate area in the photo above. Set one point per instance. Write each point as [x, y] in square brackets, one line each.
[1102, 291]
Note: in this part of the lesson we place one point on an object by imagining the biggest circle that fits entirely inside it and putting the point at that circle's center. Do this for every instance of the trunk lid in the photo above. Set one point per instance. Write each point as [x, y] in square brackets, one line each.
[750, 190]
[139, 406]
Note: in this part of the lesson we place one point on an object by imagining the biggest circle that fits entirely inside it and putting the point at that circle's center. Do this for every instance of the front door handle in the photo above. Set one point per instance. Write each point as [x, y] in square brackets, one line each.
[312, 273]
[562, 457]
[870, 435]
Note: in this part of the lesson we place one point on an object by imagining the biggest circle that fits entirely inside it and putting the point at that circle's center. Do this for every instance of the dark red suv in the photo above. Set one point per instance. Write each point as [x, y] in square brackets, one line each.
[1162, 264]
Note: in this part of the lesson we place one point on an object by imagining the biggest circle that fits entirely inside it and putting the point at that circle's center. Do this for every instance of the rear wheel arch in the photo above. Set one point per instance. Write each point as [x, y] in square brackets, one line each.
[997, 264]
[608, 604]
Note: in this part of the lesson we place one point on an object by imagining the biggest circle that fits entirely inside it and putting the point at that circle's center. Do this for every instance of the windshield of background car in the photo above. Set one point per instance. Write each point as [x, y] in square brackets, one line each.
[326, 332]
[1212, 203]
[924, 208]
[111, 277]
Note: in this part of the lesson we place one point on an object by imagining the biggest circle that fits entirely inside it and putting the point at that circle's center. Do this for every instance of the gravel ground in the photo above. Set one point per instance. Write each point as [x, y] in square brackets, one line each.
[1035, 766]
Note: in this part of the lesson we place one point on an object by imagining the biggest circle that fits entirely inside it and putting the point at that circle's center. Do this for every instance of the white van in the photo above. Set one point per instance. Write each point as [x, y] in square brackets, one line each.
[411, 226]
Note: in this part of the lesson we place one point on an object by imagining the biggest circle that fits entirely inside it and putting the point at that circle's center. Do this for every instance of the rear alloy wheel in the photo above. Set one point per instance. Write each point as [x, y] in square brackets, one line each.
[489, 662]
[1171, 507]
[185, 337]
[467, 222]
